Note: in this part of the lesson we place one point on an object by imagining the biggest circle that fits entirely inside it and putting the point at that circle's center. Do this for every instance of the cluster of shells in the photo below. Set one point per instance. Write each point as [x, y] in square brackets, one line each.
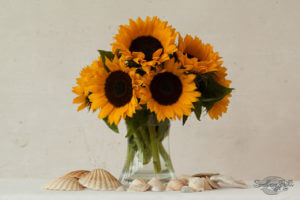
[100, 179]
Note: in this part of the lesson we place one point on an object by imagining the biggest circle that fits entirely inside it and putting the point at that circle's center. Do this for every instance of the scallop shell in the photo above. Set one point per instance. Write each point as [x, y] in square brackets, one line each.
[156, 185]
[64, 184]
[228, 181]
[197, 183]
[99, 179]
[77, 174]
[175, 185]
[138, 185]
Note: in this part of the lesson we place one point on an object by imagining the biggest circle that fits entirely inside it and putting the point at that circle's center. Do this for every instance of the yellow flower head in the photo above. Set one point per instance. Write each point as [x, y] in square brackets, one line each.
[82, 88]
[146, 42]
[114, 92]
[221, 106]
[169, 92]
[197, 56]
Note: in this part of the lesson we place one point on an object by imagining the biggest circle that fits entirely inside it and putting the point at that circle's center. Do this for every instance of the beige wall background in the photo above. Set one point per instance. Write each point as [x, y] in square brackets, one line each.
[44, 45]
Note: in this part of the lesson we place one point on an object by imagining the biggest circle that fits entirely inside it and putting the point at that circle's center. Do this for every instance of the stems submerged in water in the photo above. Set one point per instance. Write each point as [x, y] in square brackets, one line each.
[147, 141]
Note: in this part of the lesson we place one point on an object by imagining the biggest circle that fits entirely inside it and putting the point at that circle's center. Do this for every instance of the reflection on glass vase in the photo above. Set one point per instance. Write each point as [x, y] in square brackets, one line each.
[148, 153]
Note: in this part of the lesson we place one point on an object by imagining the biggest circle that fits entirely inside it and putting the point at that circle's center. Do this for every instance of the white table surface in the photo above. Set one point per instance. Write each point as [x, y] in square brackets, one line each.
[19, 189]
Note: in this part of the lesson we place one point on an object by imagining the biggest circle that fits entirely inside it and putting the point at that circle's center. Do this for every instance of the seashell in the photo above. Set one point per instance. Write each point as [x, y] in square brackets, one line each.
[206, 184]
[187, 189]
[156, 185]
[99, 179]
[64, 184]
[197, 183]
[228, 181]
[184, 178]
[175, 185]
[203, 175]
[138, 185]
[77, 174]
[213, 184]
[121, 189]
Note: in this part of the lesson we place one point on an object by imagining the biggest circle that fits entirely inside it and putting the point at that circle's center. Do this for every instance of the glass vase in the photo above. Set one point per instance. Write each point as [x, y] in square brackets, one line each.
[148, 153]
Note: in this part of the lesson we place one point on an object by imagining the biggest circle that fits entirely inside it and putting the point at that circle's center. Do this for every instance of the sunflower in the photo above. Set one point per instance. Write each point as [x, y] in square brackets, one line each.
[115, 91]
[221, 106]
[197, 56]
[146, 42]
[169, 92]
[82, 88]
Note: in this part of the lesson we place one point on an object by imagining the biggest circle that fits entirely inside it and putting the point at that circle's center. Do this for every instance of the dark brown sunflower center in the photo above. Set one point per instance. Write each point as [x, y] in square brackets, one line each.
[118, 88]
[146, 44]
[166, 88]
[190, 55]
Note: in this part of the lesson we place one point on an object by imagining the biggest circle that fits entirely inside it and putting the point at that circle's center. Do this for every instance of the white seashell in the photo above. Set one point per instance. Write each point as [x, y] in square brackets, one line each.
[228, 181]
[64, 184]
[175, 185]
[99, 179]
[138, 185]
[156, 189]
[156, 185]
[121, 189]
[187, 189]
[197, 183]
[77, 174]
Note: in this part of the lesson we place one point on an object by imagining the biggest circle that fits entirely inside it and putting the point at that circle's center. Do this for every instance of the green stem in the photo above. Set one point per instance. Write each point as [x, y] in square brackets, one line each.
[165, 156]
[130, 154]
[147, 145]
[141, 146]
[154, 145]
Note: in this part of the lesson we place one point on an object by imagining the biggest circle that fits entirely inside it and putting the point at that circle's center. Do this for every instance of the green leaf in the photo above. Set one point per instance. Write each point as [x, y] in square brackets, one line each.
[198, 109]
[163, 126]
[107, 54]
[211, 90]
[138, 119]
[111, 126]
[184, 119]
[130, 132]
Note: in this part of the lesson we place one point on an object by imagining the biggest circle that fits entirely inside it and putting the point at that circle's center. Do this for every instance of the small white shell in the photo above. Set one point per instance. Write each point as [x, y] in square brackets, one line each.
[197, 183]
[175, 185]
[121, 189]
[99, 179]
[138, 185]
[228, 181]
[77, 174]
[156, 185]
[64, 184]
[187, 189]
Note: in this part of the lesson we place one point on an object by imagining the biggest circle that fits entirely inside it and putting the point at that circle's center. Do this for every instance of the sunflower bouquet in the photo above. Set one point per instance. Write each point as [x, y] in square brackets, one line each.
[148, 79]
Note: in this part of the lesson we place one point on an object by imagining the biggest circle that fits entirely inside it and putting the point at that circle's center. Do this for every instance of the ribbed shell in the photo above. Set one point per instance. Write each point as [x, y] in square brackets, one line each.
[77, 174]
[213, 184]
[99, 179]
[64, 184]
